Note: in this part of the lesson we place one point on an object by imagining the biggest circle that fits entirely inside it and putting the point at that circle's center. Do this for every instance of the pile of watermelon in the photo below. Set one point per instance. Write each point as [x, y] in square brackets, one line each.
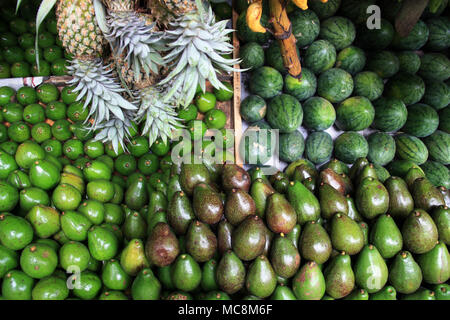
[385, 95]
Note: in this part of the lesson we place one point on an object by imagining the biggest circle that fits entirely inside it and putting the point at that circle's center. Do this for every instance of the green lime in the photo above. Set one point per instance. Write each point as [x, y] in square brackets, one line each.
[68, 96]
[166, 162]
[73, 149]
[148, 163]
[215, 119]
[61, 130]
[47, 92]
[18, 26]
[44, 174]
[41, 131]
[26, 41]
[205, 101]
[197, 129]
[13, 54]
[10, 147]
[222, 94]
[27, 153]
[94, 149]
[59, 67]
[46, 39]
[34, 113]
[81, 131]
[66, 197]
[107, 160]
[77, 111]
[20, 70]
[26, 96]
[52, 147]
[19, 132]
[6, 95]
[125, 164]
[51, 26]
[160, 148]
[189, 113]
[138, 146]
[12, 112]
[5, 70]
[3, 133]
[55, 110]
[7, 39]
[44, 69]
[53, 53]
[30, 54]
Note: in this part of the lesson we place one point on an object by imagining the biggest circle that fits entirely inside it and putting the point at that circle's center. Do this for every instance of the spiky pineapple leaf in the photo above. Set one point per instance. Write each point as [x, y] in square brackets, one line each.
[44, 9]
[19, 2]
[100, 16]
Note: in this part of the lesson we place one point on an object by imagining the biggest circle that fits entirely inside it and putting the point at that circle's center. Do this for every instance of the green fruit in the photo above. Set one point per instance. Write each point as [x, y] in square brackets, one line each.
[66, 197]
[162, 239]
[422, 120]
[434, 66]
[15, 232]
[355, 114]
[249, 239]
[253, 108]
[305, 26]
[284, 113]
[319, 147]
[47, 93]
[303, 88]
[419, 232]
[284, 257]
[435, 264]
[266, 82]
[381, 148]
[406, 87]
[261, 280]
[74, 255]
[404, 273]
[224, 94]
[314, 243]
[371, 272]
[339, 31]
[335, 85]
[377, 38]
[246, 35]
[368, 84]
[304, 202]
[89, 286]
[251, 55]
[346, 235]
[114, 277]
[230, 274]
[386, 236]
[75, 225]
[351, 59]
[146, 286]
[44, 175]
[438, 146]
[102, 243]
[17, 285]
[38, 260]
[100, 190]
[320, 56]
[350, 146]
[93, 210]
[45, 220]
[411, 148]
[372, 198]
[19, 132]
[309, 282]
[339, 276]
[319, 114]
[7, 165]
[384, 63]
[186, 273]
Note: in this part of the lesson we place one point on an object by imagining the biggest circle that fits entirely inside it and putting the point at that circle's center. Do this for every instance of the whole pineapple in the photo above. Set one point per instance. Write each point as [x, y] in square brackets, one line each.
[197, 45]
[82, 37]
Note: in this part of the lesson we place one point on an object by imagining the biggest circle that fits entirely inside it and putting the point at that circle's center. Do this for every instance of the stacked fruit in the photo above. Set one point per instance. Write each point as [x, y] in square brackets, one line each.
[17, 41]
[353, 79]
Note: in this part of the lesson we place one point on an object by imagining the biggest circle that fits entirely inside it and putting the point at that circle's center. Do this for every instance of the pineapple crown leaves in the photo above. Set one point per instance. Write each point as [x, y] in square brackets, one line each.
[197, 43]
[100, 90]
[115, 131]
[160, 116]
[129, 33]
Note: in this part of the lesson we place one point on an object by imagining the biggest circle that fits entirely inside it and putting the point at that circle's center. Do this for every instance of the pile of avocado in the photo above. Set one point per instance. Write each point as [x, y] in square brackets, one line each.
[80, 221]
[17, 43]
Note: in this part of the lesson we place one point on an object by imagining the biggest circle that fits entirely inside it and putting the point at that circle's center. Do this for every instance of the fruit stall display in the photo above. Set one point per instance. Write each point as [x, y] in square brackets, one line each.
[90, 195]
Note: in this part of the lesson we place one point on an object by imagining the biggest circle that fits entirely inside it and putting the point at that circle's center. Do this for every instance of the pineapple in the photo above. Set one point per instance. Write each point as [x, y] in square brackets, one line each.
[160, 13]
[197, 44]
[135, 35]
[179, 7]
[82, 37]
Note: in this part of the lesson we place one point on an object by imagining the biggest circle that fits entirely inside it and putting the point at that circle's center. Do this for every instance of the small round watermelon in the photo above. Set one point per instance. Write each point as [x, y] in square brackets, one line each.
[291, 146]
[438, 145]
[335, 85]
[381, 148]
[284, 113]
[439, 38]
[355, 114]
[368, 84]
[256, 144]
[305, 26]
[266, 82]
[410, 148]
[356, 10]
[422, 120]
[390, 114]
[301, 89]
[246, 35]
[381, 172]
[350, 146]
[409, 61]
[434, 66]
[320, 56]
[352, 59]
[383, 63]
[437, 94]
[410, 88]
[437, 173]
[415, 40]
[376, 39]
[319, 147]
[252, 56]
[319, 114]
[444, 119]
[253, 108]
[339, 31]
[324, 9]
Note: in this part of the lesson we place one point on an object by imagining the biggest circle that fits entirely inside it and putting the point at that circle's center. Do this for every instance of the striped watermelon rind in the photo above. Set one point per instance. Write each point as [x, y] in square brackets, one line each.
[381, 148]
[285, 113]
[291, 146]
[437, 173]
[319, 147]
[324, 10]
[415, 40]
[438, 145]
[251, 55]
[409, 88]
[320, 56]
[411, 148]
[253, 108]
[368, 84]
[339, 31]
[437, 94]
[266, 82]
[355, 114]
[335, 85]
[350, 146]
[409, 61]
[305, 26]
[319, 114]
[439, 38]
[434, 66]
[390, 114]
[301, 89]
[376, 39]
[384, 63]
[444, 119]
[422, 120]
[352, 59]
